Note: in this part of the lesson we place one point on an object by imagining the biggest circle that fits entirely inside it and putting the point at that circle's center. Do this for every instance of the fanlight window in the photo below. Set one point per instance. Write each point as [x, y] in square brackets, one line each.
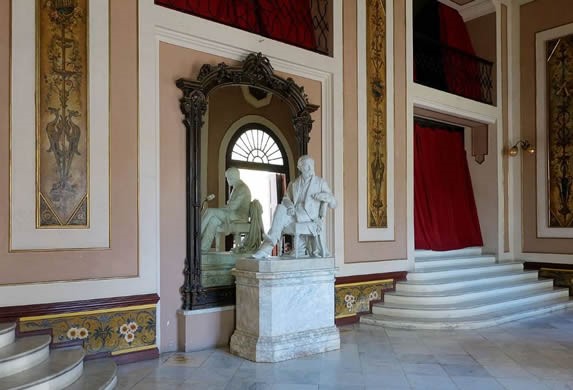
[257, 146]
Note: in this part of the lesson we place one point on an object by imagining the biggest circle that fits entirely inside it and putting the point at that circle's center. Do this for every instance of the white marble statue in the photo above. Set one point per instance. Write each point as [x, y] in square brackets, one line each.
[301, 211]
[236, 209]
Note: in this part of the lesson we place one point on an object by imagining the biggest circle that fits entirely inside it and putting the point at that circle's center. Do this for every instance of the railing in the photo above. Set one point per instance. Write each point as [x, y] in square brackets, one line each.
[451, 70]
[300, 23]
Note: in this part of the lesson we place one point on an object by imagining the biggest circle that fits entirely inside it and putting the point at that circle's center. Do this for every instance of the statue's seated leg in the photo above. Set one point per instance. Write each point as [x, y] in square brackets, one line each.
[280, 220]
[209, 234]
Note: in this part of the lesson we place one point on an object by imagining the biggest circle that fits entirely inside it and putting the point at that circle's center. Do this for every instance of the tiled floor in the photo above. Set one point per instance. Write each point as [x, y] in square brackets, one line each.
[529, 354]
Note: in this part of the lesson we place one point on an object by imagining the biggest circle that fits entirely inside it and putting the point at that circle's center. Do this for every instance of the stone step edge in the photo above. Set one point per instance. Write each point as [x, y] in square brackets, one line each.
[7, 327]
[489, 276]
[41, 342]
[471, 289]
[429, 260]
[473, 304]
[7, 334]
[467, 267]
[464, 322]
[98, 374]
[57, 377]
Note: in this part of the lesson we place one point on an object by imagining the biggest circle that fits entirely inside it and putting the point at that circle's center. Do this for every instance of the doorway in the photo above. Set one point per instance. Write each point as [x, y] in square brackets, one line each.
[445, 212]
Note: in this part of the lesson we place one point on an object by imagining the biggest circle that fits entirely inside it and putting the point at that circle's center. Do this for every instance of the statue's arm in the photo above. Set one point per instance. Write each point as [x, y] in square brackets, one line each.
[325, 195]
[237, 198]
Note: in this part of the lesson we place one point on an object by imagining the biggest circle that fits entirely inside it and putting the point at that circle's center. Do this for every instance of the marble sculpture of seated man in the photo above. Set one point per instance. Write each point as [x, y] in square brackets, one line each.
[236, 209]
[301, 203]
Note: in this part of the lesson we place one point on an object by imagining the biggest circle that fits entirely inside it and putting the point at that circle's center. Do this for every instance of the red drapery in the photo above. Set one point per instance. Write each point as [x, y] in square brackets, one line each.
[461, 72]
[445, 214]
[288, 21]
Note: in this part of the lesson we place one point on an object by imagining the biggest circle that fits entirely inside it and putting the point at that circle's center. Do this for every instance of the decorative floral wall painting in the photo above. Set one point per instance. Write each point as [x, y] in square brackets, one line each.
[560, 134]
[62, 162]
[376, 112]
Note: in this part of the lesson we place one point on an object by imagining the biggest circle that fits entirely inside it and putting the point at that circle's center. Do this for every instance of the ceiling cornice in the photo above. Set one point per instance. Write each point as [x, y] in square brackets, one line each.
[472, 10]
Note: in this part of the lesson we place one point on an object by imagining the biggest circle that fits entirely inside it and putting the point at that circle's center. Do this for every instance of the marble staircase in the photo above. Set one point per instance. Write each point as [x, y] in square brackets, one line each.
[28, 363]
[465, 290]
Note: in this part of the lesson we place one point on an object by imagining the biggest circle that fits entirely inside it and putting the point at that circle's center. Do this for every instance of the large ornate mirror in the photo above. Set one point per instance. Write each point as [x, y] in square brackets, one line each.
[255, 122]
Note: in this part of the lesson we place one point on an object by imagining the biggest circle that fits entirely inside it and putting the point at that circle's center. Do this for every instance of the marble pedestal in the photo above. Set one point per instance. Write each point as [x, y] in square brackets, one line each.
[216, 268]
[284, 308]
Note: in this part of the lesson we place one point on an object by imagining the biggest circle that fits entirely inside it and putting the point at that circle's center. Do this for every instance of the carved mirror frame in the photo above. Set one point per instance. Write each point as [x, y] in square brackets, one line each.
[255, 71]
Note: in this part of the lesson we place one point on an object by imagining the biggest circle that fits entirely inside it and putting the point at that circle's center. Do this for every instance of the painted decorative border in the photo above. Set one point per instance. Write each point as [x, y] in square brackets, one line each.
[375, 120]
[62, 131]
[112, 326]
[353, 295]
[102, 331]
[562, 274]
[544, 228]
[24, 234]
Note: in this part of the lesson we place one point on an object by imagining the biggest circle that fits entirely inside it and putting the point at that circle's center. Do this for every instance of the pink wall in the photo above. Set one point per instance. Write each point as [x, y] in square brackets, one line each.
[121, 259]
[537, 16]
[355, 251]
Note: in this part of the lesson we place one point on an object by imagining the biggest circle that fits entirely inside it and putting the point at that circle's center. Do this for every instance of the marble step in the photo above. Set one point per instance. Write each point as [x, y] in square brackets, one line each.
[7, 333]
[97, 375]
[61, 369]
[471, 322]
[23, 353]
[452, 262]
[471, 251]
[454, 283]
[466, 293]
[477, 270]
[469, 308]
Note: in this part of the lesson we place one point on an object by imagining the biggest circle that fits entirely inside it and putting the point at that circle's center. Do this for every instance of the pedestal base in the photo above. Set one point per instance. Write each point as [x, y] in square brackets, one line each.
[279, 348]
[284, 309]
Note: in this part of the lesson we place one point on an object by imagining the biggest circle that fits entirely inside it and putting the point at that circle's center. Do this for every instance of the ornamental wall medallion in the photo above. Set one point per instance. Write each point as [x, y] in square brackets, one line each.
[376, 113]
[560, 130]
[62, 158]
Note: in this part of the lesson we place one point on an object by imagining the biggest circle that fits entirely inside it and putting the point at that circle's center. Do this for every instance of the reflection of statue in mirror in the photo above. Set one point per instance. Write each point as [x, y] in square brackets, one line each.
[236, 210]
[301, 213]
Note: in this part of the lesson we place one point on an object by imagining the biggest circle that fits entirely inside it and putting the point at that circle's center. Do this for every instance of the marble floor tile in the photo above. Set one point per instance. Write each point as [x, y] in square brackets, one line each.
[431, 382]
[524, 355]
[522, 384]
[476, 383]
[423, 369]
[474, 370]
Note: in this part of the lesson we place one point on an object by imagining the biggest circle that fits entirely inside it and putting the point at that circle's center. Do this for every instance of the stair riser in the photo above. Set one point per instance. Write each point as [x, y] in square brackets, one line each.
[61, 381]
[409, 287]
[478, 272]
[25, 362]
[111, 385]
[405, 324]
[457, 313]
[429, 300]
[425, 265]
[7, 338]
[424, 254]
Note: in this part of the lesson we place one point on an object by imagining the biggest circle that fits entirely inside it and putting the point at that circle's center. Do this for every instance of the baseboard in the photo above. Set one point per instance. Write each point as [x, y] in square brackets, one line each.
[354, 295]
[122, 327]
[562, 274]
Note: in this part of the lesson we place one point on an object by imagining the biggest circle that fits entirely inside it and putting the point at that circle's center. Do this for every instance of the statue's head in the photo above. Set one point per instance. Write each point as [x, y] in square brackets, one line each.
[305, 165]
[233, 176]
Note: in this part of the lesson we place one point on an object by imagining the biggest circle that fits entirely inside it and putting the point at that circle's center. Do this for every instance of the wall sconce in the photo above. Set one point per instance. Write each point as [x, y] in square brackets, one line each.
[525, 145]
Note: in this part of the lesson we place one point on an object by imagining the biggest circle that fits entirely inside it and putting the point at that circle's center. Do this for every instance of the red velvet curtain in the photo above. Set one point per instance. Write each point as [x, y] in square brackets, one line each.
[236, 13]
[265, 17]
[276, 26]
[461, 72]
[445, 214]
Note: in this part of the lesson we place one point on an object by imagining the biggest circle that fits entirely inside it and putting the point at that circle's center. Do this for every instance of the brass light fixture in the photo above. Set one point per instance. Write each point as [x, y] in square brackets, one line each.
[525, 145]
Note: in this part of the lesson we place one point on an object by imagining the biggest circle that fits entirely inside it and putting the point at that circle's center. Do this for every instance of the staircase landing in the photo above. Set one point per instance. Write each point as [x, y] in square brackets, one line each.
[466, 290]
